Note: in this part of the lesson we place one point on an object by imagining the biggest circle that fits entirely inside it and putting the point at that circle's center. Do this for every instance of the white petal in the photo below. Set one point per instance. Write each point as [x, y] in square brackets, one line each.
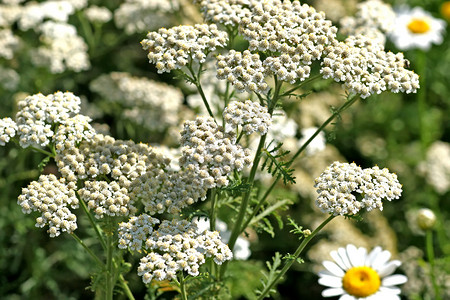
[343, 254]
[388, 294]
[347, 297]
[331, 281]
[352, 253]
[325, 273]
[389, 268]
[361, 256]
[390, 290]
[372, 255]
[394, 280]
[332, 292]
[337, 258]
[333, 268]
[380, 260]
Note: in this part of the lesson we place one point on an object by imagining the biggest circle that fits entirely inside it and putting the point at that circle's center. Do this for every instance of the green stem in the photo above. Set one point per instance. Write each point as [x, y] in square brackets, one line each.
[126, 288]
[212, 218]
[92, 254]
[295, 256]
[196, 79]
[430, 255]
[301, 84]
[92, 221]
[43, 151]
[87, 30]
[109, 284]
[182, 287]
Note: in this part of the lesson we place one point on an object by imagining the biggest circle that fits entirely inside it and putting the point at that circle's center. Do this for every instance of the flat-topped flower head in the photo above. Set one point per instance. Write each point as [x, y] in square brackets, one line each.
[416, 29]
[175, 47]
[72, 132]
[364, 68]
[229, 12]
[356, 275]
[250, 115]
[8, 129]
[373, 17]
[51, 197]
[339, 185]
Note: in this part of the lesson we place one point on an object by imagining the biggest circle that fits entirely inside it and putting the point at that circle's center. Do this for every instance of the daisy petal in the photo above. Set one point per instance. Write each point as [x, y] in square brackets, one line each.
[333, 268]
[347, 297]
[381, 259]
[332, 292]
[337, 258]
[390, 290]
[352, 253]
[372, 255]
[394, 280]
[343, 254]
[389, 268]
[331, 281]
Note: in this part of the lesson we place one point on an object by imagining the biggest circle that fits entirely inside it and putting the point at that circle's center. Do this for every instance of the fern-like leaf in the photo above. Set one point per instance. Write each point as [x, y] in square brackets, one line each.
[275, 165]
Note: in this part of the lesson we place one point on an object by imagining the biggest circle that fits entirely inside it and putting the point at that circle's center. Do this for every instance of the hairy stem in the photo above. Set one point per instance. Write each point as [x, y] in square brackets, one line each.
[430, 255]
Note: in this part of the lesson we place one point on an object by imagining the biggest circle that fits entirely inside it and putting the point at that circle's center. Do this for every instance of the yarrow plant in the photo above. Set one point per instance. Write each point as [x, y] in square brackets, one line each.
[146, 201]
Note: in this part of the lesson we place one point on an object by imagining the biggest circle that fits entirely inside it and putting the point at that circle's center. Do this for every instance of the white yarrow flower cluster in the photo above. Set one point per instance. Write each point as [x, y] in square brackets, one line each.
[34, 13]
[8, 43]
[179, 246]
[37, 114]
[72, 132]
[373, 18]
[250, 115]
[366, 69]
[98, 14]
[63, 48]
[106, 198]
[339, 183]
[51, 197]
[173, 48]
[436, 166]
[8, 129]
[243, 70]
[228, 13]
[209, 153]
[137, 16]
[134, 233]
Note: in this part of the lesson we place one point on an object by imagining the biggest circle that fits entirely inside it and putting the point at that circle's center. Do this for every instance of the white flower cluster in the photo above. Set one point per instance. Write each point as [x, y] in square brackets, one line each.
[9, 78]
[51, 197]
[141, 15]
[33, 13]
[152, 104]
[365, 68]
[106, 198]
[98, 14]
[373, 18]
[72, 132]
[173, 48]
[8, 43]
[338, 183]
[38, 112]
[8, 129]
[250, 115]
[123, 161]
[182, 246]
[63, 48]
[243, 70]
[210, 154]
[134, 233]
[436, 167]
[228, 13]
[167, 190]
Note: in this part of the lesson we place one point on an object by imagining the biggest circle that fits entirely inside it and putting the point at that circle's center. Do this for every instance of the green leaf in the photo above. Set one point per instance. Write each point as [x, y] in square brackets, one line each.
[43, 163]
[275, 165]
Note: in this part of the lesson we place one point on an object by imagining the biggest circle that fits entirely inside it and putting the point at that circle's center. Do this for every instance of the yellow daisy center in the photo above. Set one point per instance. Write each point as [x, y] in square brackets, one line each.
[418, 26]
[361, 281]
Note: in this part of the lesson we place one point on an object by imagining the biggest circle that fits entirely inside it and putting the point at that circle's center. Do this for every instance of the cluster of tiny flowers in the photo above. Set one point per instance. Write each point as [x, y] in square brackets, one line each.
[167, 190]
[173, 48]
[134, 233]
[106, 198]
[63, 48]
[250, 115]
[8, 129]
[38, 112]
[141, 15]
[209, 154]
[97, 14]
[228, 13]
[123, 161]
[295, 32]
[51, 197]
[8, 43]
[183, 248]
[152, 104]
[72, 132]
[365, 68]
[436, 166]
[9, 78]
[373, 18]
[32, 14]
[243, 70]
[338, 183]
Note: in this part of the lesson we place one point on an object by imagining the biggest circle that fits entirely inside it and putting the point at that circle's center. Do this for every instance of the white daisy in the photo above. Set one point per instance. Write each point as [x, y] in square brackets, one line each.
[358, 275]
[416, 28]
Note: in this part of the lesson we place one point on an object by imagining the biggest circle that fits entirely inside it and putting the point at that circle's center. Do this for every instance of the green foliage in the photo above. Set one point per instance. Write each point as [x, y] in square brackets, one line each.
[273, 162]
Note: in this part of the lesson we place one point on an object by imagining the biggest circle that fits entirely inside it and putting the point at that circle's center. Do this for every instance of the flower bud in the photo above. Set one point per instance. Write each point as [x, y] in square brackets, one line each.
[426, 219]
